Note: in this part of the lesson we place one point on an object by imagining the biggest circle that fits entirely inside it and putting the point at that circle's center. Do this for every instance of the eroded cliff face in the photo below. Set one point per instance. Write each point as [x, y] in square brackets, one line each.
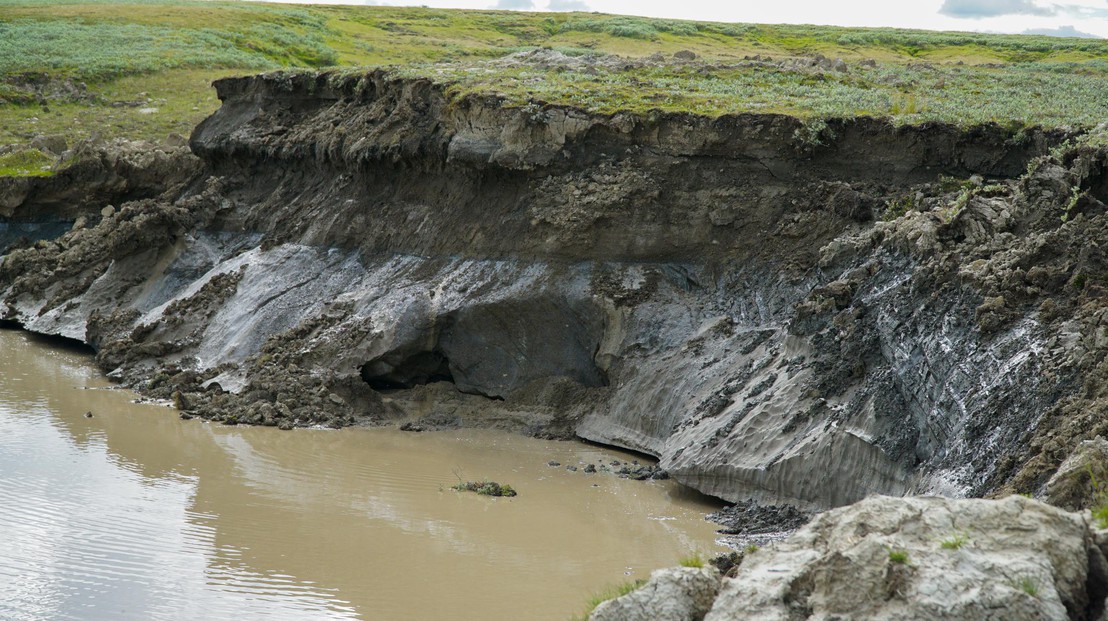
[777, 315]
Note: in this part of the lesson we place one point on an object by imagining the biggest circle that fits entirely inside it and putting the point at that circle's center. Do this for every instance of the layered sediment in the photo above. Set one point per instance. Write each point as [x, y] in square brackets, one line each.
[778, 314]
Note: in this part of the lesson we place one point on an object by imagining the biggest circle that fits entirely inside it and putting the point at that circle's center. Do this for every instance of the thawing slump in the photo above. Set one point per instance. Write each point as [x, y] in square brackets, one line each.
[884, 309]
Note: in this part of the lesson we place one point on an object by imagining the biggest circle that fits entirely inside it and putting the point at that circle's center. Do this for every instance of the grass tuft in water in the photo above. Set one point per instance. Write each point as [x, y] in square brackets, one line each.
[485, 488]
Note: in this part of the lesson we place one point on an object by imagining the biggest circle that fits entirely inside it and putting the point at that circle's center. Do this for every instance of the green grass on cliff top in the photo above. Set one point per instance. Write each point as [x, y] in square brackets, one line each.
[147, 64]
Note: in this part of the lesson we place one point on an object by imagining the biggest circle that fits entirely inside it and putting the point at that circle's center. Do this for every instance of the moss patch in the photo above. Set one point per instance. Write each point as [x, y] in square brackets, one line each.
[26, 163]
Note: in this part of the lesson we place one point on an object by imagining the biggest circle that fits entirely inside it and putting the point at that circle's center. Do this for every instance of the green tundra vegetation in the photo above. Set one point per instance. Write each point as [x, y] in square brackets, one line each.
[610, 592]
[142, 69]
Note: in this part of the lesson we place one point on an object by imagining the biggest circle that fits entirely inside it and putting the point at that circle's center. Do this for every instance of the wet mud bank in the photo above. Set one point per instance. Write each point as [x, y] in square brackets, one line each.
[778, 314]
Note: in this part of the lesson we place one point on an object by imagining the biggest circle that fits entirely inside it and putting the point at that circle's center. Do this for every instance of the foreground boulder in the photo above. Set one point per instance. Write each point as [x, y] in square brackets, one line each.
[917, 558]
[674, 594]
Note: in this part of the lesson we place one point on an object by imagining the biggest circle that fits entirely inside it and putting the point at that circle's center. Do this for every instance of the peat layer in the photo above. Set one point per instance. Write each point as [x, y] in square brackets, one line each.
[780, 312]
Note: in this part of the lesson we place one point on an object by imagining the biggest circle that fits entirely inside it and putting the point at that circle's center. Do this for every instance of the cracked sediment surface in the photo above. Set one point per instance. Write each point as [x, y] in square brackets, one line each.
[887, 309]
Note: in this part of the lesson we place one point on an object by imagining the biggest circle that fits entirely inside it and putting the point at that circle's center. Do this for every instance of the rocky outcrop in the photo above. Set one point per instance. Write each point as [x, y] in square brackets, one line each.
[914, 558]
[1082, 478]
[678, 594]
[778, 316]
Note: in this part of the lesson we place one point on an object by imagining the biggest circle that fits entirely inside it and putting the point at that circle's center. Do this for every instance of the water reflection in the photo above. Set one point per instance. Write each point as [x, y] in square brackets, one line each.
[133, 514]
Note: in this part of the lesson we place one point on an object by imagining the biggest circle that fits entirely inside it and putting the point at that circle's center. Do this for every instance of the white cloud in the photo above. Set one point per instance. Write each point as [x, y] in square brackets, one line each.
[1061, 31]
[977, 9]
[567, 5]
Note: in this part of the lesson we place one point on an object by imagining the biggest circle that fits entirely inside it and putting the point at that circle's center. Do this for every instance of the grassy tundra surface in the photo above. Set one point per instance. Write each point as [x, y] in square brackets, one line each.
[141, 68]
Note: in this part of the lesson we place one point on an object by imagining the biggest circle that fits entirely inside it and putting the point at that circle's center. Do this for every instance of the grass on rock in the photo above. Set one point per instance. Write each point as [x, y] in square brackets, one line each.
[955, 542]
[1099, 507]
[611, 592]
[1027, 584]
[694, 560]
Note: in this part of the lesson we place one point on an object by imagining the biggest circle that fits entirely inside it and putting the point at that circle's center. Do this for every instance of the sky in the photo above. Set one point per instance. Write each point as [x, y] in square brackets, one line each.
[1066, 17]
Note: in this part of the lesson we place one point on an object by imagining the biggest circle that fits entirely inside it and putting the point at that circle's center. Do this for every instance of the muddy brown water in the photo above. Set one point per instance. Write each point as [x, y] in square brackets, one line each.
[136, 514]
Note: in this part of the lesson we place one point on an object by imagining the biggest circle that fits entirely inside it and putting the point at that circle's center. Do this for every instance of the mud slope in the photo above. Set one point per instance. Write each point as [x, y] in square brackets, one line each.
[776, 314]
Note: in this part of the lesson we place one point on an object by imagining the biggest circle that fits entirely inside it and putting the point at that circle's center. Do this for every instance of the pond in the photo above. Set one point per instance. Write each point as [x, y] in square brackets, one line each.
[112, 509]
